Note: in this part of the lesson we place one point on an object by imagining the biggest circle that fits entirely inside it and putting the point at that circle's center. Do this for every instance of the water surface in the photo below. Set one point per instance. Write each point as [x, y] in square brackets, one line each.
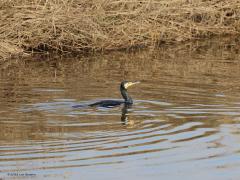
[184, 123]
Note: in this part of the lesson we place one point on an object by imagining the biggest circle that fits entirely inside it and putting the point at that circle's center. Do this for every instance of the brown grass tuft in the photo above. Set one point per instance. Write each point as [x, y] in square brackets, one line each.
[85, 25]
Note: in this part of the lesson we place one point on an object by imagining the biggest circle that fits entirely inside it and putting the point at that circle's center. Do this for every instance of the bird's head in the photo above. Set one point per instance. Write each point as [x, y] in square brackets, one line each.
[126, 84]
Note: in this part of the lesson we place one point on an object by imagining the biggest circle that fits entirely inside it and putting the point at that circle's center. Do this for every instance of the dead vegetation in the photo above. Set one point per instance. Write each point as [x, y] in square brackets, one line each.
[78, 26]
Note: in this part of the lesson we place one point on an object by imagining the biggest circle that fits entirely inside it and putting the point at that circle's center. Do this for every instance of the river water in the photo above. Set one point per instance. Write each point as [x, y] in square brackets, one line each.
[184, 124]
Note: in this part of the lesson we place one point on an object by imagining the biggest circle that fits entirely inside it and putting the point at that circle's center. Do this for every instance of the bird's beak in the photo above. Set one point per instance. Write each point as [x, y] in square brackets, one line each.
[131, 83]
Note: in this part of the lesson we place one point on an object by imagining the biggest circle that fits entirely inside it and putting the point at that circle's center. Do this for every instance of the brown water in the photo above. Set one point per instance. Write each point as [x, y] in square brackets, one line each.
[184, 124]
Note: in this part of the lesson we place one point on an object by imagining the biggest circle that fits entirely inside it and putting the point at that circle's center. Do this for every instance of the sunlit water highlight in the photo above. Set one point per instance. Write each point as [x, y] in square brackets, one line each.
[184, 123]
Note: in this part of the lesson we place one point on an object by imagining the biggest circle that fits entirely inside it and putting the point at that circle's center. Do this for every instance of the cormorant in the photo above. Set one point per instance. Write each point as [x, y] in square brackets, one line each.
[111, 103]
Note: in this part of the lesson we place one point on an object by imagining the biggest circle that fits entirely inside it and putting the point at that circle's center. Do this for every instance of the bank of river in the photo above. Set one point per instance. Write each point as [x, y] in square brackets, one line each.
[78, 27]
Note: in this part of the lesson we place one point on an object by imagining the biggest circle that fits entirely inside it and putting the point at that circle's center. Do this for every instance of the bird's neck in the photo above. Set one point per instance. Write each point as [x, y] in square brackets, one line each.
[126, 96]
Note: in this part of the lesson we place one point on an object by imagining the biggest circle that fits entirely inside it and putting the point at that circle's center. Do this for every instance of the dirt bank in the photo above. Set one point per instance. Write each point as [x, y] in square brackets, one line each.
[78, 26]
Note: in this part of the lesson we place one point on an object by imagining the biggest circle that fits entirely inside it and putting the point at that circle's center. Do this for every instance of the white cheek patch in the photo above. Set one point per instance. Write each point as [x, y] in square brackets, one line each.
[127, 85]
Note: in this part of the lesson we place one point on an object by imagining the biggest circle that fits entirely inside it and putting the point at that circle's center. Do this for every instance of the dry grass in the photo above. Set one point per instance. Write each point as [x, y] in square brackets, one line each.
[91, 25]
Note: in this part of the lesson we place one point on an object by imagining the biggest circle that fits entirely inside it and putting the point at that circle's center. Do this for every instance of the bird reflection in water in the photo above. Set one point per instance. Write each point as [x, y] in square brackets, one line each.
[124, 116]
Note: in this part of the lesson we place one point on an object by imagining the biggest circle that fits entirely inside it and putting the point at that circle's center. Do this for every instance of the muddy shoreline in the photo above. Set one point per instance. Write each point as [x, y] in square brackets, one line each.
[80, 27]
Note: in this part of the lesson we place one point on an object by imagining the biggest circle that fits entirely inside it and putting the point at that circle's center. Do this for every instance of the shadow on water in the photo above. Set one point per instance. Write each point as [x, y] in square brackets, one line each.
[185, 115]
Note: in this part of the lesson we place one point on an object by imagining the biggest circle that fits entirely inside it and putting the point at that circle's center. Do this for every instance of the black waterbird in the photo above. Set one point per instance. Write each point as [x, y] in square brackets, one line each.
[127, 100]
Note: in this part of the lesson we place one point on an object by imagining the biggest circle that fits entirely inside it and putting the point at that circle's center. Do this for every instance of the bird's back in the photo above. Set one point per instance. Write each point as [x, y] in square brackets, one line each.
[107, 103]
